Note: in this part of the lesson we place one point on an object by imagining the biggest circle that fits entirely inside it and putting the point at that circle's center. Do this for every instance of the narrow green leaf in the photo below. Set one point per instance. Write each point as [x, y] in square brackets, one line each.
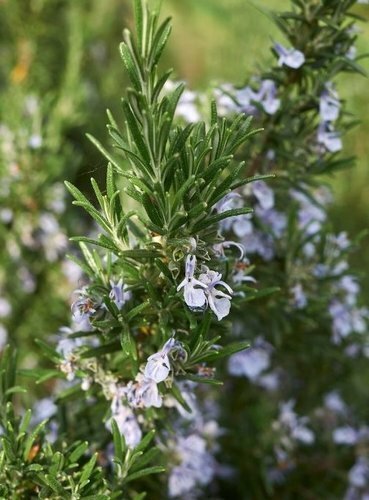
[119, 443]
[214, 219]
[78, 452]
[144, 472]
[104, 151]
[32, 438]
[144, 443]
[88, 469]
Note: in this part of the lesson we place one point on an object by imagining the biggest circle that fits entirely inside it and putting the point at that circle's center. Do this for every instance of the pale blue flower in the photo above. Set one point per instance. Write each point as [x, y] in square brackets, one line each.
[83, 308]
[260, 243]
[329, 104]
[218, 301]
[329, 138]
[335, 403]
[158, 365]
[292, 58]
[194, 294]
[220, 247]
[251, 362]
[118, 293]
[263, 194]
[345, 435]
[359, 473]
[196, 467]
[299, 299]
[267, 97]
[143, 393]
[127, 424]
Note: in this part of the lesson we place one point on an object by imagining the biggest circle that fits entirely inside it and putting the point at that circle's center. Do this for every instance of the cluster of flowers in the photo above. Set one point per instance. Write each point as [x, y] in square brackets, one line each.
[190, 448]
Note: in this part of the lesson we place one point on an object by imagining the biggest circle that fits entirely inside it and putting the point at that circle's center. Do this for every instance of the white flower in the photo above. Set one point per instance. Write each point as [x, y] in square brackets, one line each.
[219, 302]
[292, 58]
[158, 366]
[194, 297]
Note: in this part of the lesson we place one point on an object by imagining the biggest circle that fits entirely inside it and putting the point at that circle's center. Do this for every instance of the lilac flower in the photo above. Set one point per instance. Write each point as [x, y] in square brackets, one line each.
[347, 319]
[127, 425]
[329, 138]
[118, 293]
[263, 194]
[218, 301]
[265, 96]
[220, 247]
[83, 308]
[194, 297]
[43, 409]
[225, 103]
[269, 381]
[240, 273]
[359, 473]
[144, 393]
[197, 466]
[242, 225]
[158, 366]
[260, 243]
[303, 434]
[289, 421]
[251, 362]
[335, 403]
[329, 104]
[268, 91]
[276, 221]
[350, 286]
[311, 215]
[345, 435]
[292, 58]
[299, 299]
